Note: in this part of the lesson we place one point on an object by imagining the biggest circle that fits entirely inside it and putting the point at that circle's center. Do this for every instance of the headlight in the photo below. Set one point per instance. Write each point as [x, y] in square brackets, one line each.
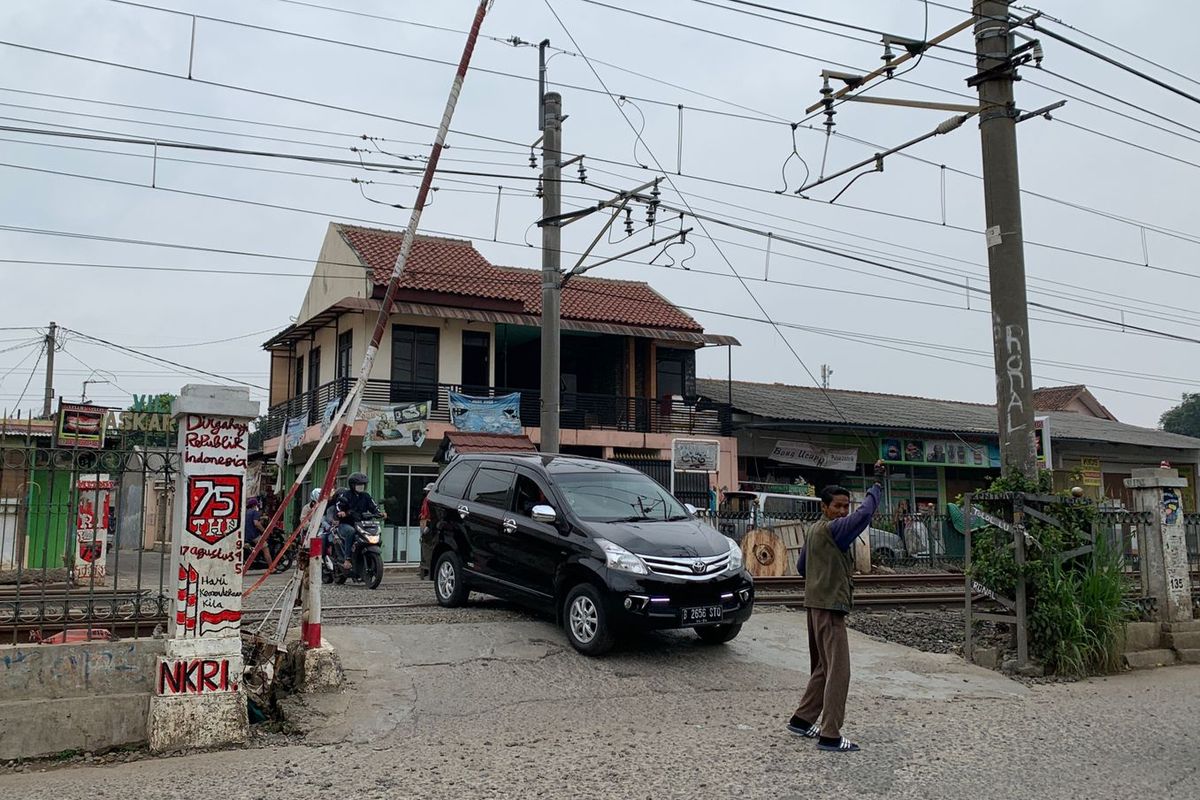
[372, 539]
[735, 557]
[617, 557]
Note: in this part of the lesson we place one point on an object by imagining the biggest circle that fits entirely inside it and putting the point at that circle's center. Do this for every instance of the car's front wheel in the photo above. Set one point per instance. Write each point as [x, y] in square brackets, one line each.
[586, 621]
[718, 634]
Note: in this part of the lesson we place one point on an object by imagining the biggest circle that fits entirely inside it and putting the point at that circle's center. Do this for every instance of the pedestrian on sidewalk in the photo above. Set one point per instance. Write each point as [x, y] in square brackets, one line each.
[827, 566]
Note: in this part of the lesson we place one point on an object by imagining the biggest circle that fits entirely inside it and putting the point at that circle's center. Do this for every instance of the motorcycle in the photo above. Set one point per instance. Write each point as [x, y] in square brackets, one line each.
[275, 540]
[366, 560]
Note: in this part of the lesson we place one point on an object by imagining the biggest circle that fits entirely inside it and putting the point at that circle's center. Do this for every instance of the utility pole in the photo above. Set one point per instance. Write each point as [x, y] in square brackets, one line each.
[1005, 239]
[551, 271]
[48, 399]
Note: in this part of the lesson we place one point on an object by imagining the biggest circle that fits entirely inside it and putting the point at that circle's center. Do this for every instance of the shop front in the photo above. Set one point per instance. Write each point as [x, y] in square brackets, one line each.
[924, 473]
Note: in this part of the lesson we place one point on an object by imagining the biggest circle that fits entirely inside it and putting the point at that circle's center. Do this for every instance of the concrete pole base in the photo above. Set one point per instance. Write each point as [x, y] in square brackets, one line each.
[213, 720]
[318, 669]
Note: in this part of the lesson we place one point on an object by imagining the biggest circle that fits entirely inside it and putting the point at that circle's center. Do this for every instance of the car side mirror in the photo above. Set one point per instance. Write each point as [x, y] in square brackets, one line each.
[691, 509]
[544, 513]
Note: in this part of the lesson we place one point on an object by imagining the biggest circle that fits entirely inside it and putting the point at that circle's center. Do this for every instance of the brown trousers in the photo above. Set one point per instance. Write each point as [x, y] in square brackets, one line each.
[829, 655]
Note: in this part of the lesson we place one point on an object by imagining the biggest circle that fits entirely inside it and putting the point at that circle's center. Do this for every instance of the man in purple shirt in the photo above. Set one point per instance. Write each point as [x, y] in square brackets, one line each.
[827, 565]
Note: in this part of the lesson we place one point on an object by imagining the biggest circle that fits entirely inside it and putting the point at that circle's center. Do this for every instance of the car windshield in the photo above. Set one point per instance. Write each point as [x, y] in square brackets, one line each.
[619, 497]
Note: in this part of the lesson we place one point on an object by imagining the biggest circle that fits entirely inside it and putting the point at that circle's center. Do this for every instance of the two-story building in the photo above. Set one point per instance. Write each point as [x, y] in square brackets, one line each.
[462, 324]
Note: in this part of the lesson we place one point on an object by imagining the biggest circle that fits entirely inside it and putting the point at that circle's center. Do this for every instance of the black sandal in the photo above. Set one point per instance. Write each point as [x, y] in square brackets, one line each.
[842, 745]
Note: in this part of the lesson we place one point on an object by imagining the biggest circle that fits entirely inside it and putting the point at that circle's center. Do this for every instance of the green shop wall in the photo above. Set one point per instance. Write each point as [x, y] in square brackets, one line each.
[51, 511]
[316, 478]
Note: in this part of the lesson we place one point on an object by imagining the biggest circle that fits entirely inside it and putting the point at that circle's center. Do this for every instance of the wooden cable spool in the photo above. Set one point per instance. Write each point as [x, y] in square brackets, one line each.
[765, 554]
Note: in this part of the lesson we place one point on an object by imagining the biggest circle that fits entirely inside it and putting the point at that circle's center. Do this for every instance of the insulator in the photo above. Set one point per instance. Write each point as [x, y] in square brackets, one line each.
[532, 159]
[628, 222]
[540, 191]
[582, 173]
[888, 57]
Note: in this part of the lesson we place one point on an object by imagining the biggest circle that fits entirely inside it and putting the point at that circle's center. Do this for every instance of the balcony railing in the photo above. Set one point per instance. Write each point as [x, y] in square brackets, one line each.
[580, 411]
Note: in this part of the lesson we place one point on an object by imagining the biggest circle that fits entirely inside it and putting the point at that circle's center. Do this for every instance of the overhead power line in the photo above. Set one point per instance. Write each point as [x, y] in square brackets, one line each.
[1114, 62]
[690, 212]
[196, 370]
[1120, 49]
[369, 114]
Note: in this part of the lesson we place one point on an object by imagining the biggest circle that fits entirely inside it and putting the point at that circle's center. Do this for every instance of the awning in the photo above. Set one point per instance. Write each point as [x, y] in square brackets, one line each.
[455, 443]
[303, 330]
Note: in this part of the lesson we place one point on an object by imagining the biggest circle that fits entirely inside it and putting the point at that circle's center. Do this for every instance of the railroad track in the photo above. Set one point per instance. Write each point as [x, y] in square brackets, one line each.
[897, 581]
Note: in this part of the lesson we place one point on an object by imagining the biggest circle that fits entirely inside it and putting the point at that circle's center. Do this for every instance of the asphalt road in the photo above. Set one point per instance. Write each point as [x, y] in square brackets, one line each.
[505, 709]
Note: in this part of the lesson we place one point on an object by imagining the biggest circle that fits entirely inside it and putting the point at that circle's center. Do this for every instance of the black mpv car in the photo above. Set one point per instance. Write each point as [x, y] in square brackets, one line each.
[601, 545]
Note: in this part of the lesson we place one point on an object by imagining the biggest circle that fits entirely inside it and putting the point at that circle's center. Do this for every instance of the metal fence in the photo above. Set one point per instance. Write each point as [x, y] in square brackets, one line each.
[83, 537]
[917, 541]
[935, 541]
[580, 410]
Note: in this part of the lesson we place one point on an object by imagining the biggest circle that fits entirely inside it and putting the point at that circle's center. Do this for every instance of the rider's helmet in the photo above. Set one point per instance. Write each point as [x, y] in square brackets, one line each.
[358, 482]
[315, 495]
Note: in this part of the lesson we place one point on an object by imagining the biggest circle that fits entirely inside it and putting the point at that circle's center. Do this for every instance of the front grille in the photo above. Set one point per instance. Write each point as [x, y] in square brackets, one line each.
[686, 568]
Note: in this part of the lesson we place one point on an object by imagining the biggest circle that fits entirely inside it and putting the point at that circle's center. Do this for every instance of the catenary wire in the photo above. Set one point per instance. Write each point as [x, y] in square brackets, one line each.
[369, 114]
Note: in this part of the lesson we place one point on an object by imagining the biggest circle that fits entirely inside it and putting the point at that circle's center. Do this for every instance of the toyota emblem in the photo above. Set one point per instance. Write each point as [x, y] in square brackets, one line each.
[698, 567]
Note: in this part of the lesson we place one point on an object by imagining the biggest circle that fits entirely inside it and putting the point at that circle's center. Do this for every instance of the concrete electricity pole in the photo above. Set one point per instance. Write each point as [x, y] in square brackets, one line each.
[1005, 239]
[48, 399]
[551, 271]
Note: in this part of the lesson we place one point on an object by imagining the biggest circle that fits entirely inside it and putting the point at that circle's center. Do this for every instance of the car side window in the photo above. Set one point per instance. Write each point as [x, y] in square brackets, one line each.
[778, 507]
[528, 493]
[490, 487]
[454, 481]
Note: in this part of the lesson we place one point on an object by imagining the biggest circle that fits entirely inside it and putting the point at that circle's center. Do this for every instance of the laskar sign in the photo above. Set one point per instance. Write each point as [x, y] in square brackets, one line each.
[840, 459]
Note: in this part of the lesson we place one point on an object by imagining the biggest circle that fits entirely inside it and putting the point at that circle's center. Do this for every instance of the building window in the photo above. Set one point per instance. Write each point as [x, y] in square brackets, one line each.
[298, 384]
[476, 361]
[676, 372]
[314, 369]
[414, 364]
[345, 347]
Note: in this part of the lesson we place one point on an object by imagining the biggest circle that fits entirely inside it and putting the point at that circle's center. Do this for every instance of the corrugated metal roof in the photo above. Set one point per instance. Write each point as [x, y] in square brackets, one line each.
[891, 412]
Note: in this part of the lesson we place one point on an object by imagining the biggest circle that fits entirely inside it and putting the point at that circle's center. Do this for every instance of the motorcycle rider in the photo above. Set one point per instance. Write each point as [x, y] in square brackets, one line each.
[351, 506]
[327, 522]
[255, 528]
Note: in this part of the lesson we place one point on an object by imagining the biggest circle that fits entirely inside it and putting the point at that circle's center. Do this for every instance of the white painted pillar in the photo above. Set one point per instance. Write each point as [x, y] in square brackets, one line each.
[197, 701]
[1162, 547]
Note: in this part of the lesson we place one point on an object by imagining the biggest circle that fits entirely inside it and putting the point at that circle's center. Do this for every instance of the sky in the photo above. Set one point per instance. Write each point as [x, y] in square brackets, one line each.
[1109, 217]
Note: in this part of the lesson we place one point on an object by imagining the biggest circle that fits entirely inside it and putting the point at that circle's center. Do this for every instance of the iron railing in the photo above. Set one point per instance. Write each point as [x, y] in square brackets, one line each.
[83, 536]
[920, 541]
[580, 410]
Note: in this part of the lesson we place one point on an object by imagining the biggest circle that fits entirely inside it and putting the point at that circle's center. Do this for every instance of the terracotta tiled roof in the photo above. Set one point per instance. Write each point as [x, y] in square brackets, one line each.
[466, 442]
[1055, 398]
[454, 266]
[1058, 398]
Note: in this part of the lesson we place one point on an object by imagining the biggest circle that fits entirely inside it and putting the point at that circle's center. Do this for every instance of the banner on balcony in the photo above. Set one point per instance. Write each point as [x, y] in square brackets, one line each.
[486, 414]
[841, 459]
[402, 425]
[330, 410]
[294, 434]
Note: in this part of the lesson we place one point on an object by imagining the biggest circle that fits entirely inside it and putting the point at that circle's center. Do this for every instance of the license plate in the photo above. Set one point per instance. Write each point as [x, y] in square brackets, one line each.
[701, 615]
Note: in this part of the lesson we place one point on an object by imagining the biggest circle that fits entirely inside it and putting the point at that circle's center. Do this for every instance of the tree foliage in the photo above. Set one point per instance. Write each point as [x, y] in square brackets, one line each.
[1183, 418]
